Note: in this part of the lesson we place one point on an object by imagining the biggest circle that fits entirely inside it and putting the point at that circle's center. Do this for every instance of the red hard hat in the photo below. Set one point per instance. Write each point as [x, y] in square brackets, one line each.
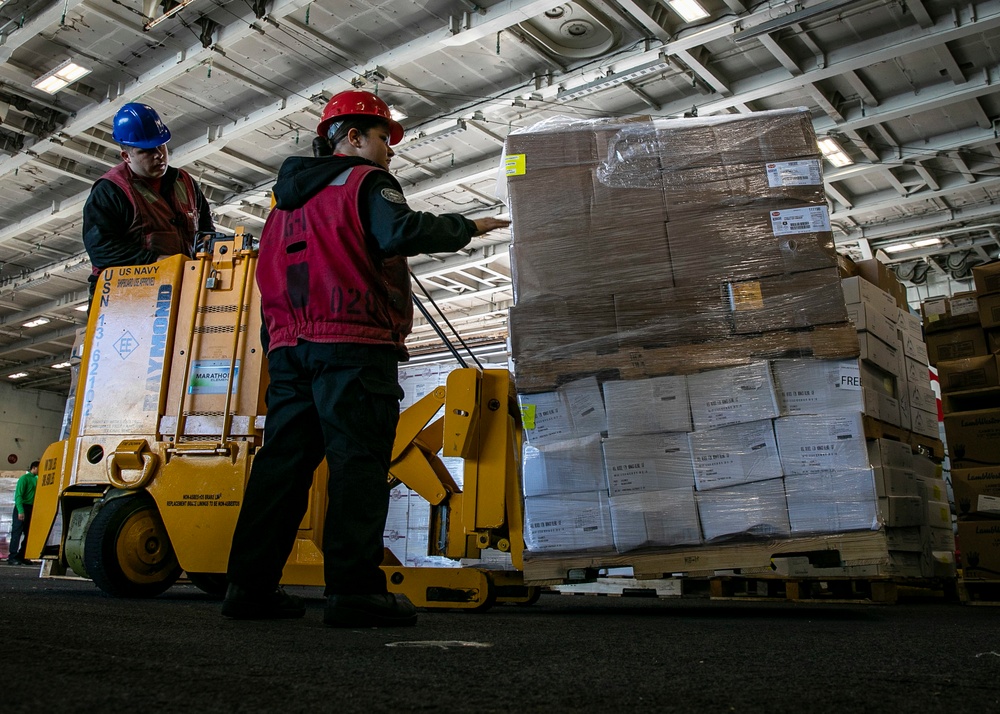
[356, 102]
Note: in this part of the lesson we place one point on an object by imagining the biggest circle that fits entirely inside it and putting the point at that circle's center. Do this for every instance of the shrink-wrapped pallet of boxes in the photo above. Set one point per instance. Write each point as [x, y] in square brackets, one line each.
[700, 390]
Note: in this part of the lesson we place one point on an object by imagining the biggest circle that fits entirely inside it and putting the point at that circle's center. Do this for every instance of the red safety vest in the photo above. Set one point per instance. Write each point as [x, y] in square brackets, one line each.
[319, 280]
[167, 227]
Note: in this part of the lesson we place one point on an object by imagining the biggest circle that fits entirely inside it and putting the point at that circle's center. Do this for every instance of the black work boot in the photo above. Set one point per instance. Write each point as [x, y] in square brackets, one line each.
[242, 604]
[375, 610]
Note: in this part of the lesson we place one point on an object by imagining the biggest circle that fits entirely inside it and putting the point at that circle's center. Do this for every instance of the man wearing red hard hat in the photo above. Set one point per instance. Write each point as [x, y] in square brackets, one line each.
[142, 209]
[335, 293]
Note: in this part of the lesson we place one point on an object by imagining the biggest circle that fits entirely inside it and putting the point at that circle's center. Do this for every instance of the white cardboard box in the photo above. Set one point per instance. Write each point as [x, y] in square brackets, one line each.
[651, 462]
[574, 410]
[832, 502]
[857, 289]
[881, 354]
[655, 518]
[735, 454]
[868, 318]
[890, 481]
[886, 452]
[751, 509]
[914, 346]
[910, 323]
[882, 407]
[902, 511]
[571, 466]
[806, 386]
[732, 396]
[916, 372]
[647, 406]
[924, 423]
[814, 443]
[568, 522]
[910, 539]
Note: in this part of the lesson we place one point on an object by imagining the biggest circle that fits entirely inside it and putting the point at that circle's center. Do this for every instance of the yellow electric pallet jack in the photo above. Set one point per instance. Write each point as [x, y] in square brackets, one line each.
[169, 412]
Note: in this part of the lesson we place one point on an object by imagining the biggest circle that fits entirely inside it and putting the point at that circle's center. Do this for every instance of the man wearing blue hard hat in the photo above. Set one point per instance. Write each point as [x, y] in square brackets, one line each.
[142, 210]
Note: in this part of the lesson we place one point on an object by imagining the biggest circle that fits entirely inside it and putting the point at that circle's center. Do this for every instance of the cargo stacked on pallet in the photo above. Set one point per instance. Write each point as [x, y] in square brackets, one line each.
[687, 369]
[964, 344]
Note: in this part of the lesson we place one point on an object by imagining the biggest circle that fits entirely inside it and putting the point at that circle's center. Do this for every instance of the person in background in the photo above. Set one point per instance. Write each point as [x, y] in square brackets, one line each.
[24, 500]
[143, 209]
[335, 294]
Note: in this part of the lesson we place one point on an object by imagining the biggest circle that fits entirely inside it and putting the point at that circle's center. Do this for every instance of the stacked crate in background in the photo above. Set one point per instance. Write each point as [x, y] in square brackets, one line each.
[964, 342]
[667, 274]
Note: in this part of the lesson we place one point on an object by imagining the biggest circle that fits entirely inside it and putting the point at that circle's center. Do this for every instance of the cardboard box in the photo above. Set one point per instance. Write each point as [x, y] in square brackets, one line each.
[938, 514]
[969, 373]
[755, 509]
[884, 356]
[907, 539]
[784, 302]
[652, 462]
[993, 341]
[561, 467]
[832, 502]
[897, 482]
[913, 347]
[920, 397]
[938, 564]
[732, 396]
[970, 400]
[989, 310]
[987, 277]
[811, 443]
[926, 467]
[938, 539]
[910, 323]
[956, 344]
[890, 453]
[915, 372]
[904, 564]
[737, 244]
[868, 318]
[655, 518]
[979, 544]
[555, 327]
[882, 407]
[950, 313]
[647, 406]
[974, 436]
[568, 522]
[977, 492]
[925, 423]
[902, 511]
[859, 290]
[805, 386]
[666, 316]
[878, 273]
[733, 455]
[574, 410]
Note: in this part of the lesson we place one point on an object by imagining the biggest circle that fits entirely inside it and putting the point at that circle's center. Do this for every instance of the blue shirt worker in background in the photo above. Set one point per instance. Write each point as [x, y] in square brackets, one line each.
[143, 209]
[335, 293]
[24, 500]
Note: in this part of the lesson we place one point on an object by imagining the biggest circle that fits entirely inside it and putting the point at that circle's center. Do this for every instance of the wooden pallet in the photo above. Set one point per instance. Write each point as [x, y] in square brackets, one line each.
[861, 548]
[979, 592]
[545, 372]
[879, 591]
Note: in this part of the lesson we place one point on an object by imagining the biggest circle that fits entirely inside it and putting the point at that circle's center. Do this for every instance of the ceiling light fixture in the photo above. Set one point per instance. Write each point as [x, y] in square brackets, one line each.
[169, 13]
[911, 245]
[60, 77]
[689, 10]
[37, 322]
[430, 137]
[613, 79]
[397, 112]
[834, 152]
[62, 365]
[82, 307]
[18, 375]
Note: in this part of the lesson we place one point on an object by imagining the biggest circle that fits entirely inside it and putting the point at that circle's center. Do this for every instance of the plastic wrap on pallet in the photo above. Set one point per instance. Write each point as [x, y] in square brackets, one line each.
[563, 467]
[647, 406]
[815, 443]
[650, 462]
[575, 409]
[568, 522]
[631, 234]
[832, 501]
[732, 396]
[753, 510]
[734, 455]
[823, 386]
[655, 519]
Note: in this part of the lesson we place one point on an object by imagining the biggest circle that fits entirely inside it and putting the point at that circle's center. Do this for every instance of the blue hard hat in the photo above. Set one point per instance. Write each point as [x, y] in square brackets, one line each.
[140, 126]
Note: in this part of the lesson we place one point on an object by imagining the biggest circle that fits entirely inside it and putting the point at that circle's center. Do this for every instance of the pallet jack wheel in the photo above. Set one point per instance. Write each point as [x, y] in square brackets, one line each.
[127, 551]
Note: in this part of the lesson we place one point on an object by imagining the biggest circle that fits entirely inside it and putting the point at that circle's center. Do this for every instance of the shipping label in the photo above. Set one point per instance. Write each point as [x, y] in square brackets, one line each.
[794, 173]
[808, 219]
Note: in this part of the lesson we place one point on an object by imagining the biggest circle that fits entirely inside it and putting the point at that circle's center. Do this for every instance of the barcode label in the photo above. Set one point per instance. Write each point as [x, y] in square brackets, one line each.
[809, 219]
[793, 173]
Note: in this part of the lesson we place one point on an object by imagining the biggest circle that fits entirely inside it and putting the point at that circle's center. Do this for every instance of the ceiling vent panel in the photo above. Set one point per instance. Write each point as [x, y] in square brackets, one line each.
[574, 30]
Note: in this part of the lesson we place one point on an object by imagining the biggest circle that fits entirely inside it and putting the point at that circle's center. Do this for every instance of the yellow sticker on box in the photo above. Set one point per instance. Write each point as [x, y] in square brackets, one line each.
[528, 416]
[513, 165]
[747, 296]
